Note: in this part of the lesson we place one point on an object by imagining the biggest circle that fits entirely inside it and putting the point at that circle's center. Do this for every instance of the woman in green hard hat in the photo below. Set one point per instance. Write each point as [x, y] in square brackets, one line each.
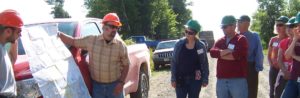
[189, 66]
[292, 88]
[284, 63]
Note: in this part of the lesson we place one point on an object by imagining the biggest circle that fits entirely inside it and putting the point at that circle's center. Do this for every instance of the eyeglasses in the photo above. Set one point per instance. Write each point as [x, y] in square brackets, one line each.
[291, 26]
[112, 26]
[279, 25]
[190, 32]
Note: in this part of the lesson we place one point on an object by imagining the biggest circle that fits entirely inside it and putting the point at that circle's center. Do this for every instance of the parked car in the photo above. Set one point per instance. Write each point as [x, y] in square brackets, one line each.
[137, 81]
[142, 39]
[208, 37]
[163, 53]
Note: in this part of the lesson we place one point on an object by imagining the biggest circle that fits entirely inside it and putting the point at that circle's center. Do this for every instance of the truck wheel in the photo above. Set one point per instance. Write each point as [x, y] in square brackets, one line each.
[143, 87]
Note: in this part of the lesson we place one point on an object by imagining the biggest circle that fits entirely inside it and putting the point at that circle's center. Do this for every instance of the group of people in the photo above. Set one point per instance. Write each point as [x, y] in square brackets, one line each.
[240, 58]
[283, 56]
[109, 61]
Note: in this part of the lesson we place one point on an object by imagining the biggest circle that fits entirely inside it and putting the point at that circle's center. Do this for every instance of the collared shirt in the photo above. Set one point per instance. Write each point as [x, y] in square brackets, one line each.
[7, 79]
[255, 50]
[236, 68]
[106, 59]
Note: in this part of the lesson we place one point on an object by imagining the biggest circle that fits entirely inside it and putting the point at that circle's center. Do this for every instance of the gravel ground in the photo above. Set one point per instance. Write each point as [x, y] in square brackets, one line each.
[160, 86]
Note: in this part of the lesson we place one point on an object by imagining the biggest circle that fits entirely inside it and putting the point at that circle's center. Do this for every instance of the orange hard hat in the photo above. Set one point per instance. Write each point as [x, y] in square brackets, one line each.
[112, 17]
[11, 18]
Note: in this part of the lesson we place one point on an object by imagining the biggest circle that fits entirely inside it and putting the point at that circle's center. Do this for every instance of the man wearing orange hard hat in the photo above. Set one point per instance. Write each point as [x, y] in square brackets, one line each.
[10, 30]
[109, 62]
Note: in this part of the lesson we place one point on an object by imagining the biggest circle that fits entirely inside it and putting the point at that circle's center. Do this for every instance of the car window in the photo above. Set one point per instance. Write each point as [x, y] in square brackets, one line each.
[90, 28]
[164, 45]
[67, 27]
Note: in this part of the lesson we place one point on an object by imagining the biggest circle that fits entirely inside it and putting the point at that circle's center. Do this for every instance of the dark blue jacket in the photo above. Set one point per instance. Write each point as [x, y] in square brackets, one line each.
[200, 46]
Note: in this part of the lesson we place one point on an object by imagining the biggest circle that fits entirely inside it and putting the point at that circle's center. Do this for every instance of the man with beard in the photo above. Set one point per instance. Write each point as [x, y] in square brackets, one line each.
[109, 62]
[10, 31]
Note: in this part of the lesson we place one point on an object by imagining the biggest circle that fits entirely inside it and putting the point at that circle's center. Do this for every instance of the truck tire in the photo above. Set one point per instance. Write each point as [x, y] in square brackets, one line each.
[143, 87]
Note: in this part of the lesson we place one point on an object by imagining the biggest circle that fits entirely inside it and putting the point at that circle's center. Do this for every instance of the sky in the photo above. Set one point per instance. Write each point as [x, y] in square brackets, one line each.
[209, 13]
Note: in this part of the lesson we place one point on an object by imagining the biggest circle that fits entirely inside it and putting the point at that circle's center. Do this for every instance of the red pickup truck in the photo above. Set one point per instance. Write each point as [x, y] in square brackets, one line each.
[137, 81]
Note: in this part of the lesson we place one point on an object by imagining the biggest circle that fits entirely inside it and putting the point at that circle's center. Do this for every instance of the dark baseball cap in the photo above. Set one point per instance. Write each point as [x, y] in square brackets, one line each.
[244, 18]
[283, 19]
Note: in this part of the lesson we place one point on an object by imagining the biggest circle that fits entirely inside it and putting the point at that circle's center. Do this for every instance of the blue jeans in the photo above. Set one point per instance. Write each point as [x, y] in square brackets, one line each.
[292, 90]
[190, 87]
[105, 90]
[232, 88]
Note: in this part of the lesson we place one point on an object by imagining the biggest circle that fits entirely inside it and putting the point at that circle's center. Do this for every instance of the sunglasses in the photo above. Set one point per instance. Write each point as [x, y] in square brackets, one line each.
[112, 26]
[190, 32]
[291, 26]
[280, 25]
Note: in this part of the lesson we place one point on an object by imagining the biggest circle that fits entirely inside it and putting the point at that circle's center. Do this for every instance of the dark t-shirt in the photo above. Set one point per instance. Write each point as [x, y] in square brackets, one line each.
[188, 61]
[296, 64]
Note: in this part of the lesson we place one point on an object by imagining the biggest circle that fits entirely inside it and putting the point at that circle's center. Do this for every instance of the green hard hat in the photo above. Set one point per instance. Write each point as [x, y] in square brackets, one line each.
[228, 20]
[283, 19]
[194, 25]
[291, 21]
[297, 20]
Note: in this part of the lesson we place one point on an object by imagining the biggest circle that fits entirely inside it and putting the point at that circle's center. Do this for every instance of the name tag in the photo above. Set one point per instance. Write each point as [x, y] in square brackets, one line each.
[298, 80]
[200, 51]
[231, 46]
[275, 44]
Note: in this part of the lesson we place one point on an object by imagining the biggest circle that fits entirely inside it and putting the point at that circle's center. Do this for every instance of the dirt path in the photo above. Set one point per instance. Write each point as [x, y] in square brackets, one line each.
[160, 83]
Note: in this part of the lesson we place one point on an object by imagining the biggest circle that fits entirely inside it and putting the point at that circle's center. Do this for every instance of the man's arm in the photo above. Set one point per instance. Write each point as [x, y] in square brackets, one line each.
[13, 52]
[240, 51]
[228, 55]
[270, 51]
[290, 51]
[259, 57]
[69, 40]
[125, 62]
[280, 62]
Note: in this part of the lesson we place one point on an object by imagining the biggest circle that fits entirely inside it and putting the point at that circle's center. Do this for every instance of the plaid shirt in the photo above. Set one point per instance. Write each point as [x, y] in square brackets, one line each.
[106, 59]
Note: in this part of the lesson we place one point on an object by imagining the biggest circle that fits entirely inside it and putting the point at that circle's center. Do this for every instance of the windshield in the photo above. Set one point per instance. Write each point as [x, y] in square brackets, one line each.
[65, 27]
[165, 45]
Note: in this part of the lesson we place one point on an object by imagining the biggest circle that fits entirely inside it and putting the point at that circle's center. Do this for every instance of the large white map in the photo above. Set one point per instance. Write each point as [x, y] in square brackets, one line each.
[52, 64]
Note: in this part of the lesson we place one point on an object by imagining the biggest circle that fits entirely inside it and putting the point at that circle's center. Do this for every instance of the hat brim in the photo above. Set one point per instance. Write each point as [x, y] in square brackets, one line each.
[118, 24]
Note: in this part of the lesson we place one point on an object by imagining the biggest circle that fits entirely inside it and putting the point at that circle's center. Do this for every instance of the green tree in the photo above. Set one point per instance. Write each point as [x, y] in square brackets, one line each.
[163, 20]
[58, 10]
[139, 17]
[264, 18]
[183, 14]
[292, 7]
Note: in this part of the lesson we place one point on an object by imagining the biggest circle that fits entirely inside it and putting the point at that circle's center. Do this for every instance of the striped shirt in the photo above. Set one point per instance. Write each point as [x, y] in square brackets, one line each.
[106, 59]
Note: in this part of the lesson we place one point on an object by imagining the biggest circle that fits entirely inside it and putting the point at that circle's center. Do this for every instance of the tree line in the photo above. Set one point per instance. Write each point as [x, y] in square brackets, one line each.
[164, 19]
[155, 19]
[266, 14]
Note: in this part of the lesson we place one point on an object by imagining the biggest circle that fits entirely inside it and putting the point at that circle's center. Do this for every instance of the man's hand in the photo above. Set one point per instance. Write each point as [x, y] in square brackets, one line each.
[225, 52]
[204, 84]
[118, 88]
[173, 84]
[297, 34]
